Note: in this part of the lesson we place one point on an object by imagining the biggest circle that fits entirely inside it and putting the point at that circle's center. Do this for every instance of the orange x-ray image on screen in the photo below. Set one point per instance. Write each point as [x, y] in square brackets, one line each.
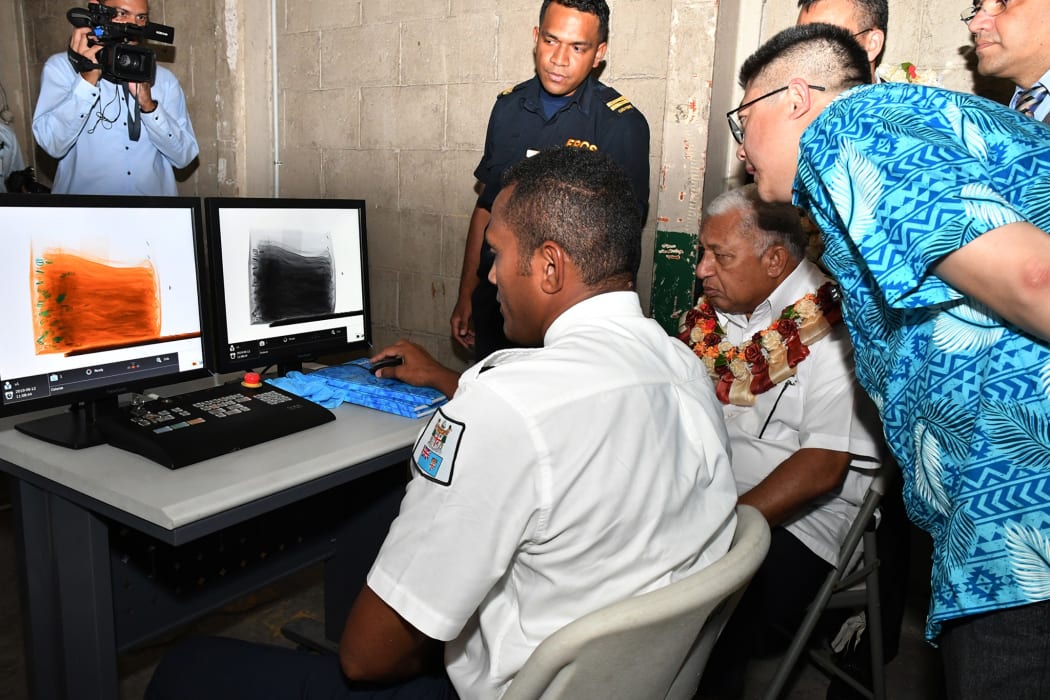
[82, 304]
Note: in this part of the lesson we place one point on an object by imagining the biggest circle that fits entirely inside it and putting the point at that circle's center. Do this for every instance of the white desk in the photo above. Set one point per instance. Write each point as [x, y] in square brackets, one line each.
[84, 515]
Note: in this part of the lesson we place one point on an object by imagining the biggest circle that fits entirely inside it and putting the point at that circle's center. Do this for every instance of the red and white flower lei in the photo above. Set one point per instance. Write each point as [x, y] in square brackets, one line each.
[769, 356]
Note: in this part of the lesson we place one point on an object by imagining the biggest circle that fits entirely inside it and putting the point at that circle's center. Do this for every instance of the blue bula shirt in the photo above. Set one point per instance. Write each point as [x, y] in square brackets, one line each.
[898, 176]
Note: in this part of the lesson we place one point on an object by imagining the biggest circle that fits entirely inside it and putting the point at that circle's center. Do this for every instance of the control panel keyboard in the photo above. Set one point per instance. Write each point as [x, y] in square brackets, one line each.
[187, 428]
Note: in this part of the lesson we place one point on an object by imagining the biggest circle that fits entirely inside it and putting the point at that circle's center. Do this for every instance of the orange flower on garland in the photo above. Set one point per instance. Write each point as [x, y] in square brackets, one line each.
[769, 356]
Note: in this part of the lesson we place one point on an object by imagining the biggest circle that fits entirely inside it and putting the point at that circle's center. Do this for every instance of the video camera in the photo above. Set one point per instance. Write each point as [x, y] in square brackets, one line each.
[120, 61]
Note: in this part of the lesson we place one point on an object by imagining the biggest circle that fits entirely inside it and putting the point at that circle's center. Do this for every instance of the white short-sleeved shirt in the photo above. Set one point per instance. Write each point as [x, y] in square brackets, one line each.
[556, 481]
[820, 407]
[10, 154]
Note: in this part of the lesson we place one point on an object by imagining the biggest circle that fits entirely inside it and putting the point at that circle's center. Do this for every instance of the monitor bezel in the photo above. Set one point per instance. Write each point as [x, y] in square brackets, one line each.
[110, 393]
[218, 359]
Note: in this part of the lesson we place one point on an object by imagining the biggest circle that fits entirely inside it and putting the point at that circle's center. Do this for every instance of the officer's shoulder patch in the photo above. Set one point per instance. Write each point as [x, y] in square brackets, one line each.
[614, 101]
[435, 452]
[619, 104]
[509, 90]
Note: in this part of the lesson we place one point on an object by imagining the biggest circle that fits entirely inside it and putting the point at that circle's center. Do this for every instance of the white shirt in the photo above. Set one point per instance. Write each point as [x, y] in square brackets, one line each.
[10, 154]
[578, 474]
[820, 407]
[1043, 110]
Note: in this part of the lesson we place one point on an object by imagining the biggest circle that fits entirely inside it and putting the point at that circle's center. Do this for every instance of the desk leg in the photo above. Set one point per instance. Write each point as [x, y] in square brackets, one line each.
[41, 628]
[377, 499]
[70, 638]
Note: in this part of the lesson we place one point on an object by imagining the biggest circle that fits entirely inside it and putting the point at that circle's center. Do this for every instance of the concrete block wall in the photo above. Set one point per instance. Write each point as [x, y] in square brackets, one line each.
[388, 102]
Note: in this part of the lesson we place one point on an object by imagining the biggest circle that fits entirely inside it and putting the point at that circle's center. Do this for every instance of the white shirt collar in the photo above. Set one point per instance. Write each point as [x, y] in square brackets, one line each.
[803, 280]
[603, 305]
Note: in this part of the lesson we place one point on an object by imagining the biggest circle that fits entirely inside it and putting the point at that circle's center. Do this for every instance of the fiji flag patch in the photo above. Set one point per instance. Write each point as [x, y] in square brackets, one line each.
[435, 452]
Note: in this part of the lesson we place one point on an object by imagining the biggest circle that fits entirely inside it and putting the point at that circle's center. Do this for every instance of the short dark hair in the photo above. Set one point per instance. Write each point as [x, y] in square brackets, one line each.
[872, 13]
[592, 7]
[764, 223]
[584, 202]
[821, 51]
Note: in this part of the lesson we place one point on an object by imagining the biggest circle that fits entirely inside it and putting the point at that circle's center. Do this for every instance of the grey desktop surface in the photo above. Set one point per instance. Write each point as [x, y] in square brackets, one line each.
[172, 499]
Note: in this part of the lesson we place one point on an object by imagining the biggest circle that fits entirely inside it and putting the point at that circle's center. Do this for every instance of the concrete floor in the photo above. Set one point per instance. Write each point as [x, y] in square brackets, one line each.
[915, 673]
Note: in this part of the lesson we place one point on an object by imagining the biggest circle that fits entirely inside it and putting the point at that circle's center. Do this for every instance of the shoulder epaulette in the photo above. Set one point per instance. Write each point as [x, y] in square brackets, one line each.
[613, 99]
[513, 89]
[619, 104]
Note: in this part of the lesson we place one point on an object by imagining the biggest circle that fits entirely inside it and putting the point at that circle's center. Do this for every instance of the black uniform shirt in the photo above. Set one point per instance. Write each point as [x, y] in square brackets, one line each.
[596, 117]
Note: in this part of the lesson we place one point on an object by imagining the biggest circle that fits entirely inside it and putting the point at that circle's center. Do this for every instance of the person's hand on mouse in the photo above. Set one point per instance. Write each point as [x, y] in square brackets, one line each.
[418, 367]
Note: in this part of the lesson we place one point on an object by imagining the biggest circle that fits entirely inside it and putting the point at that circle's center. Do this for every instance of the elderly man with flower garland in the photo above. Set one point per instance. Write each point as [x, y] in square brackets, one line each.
[804, 439]
[935, 208]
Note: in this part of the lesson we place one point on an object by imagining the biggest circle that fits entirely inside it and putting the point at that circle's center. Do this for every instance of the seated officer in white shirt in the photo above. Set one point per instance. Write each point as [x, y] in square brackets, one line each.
[557, 480]
[804, 438]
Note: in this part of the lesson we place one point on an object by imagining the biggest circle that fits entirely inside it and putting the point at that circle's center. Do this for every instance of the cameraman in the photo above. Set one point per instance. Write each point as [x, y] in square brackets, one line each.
[112, 138]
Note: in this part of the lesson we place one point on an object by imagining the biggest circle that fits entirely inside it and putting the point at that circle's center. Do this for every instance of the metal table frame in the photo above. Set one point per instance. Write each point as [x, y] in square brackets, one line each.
[83, 602]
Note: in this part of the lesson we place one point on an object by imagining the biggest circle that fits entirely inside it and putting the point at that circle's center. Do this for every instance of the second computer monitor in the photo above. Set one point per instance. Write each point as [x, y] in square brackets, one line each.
[290, 280]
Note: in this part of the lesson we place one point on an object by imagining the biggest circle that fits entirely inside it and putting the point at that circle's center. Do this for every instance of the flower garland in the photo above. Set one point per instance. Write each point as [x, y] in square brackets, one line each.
[907, 72]
[769, 356]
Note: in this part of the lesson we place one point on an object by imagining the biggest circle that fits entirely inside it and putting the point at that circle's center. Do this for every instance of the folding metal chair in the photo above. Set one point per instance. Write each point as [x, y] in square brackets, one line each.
[852, 586]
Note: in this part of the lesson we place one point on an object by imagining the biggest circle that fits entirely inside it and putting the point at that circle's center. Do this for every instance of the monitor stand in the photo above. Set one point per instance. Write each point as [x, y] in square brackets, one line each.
[287, 366]
[74, 428]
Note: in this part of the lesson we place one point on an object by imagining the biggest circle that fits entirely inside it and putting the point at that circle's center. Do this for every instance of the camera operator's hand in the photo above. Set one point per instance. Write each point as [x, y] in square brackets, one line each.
[142, 93]
[78, 42]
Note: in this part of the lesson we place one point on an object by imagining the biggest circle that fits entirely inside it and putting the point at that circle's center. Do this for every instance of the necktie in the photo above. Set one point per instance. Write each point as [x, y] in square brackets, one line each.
[1028, 101]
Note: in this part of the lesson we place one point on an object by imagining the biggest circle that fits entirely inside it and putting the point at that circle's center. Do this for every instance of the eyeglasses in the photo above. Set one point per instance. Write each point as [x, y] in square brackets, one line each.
[734, 125]
[863, 31]
[992, 8]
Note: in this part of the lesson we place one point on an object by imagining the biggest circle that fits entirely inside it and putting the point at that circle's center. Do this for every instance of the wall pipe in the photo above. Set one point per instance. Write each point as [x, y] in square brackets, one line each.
[276, 102]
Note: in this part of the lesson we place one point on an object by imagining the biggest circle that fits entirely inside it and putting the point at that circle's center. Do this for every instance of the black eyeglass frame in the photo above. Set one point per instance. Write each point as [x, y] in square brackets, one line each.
[734, 126]
[967, 16]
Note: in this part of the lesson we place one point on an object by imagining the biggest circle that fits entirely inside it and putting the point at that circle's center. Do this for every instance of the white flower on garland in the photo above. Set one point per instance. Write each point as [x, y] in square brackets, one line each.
[907, 72]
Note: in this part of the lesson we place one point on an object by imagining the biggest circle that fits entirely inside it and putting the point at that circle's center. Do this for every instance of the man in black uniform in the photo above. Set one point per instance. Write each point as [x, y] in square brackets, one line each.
[562, 105]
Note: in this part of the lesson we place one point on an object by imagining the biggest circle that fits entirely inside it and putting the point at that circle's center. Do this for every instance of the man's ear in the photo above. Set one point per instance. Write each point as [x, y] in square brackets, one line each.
[599, 55]
[776, 260]
[801, 98]
[874, 42]
[553, 264]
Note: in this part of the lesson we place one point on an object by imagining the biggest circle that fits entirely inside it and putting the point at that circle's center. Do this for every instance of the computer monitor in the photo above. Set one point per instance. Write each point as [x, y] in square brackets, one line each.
[289, 280]
[101, 296]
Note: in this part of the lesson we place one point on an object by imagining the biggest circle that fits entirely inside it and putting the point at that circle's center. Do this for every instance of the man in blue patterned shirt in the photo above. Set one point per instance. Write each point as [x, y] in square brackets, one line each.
[935, 208]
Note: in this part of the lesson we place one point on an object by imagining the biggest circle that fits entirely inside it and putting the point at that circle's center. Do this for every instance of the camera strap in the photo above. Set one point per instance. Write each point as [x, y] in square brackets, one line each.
[81, 64]
[134, 114]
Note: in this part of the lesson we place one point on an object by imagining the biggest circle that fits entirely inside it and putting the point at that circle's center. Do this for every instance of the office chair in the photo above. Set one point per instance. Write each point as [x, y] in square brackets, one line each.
[650, 647]
[852, 585]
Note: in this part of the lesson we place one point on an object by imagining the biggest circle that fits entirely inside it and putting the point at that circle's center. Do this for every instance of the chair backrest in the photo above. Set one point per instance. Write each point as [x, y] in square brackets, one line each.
[651, 646]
